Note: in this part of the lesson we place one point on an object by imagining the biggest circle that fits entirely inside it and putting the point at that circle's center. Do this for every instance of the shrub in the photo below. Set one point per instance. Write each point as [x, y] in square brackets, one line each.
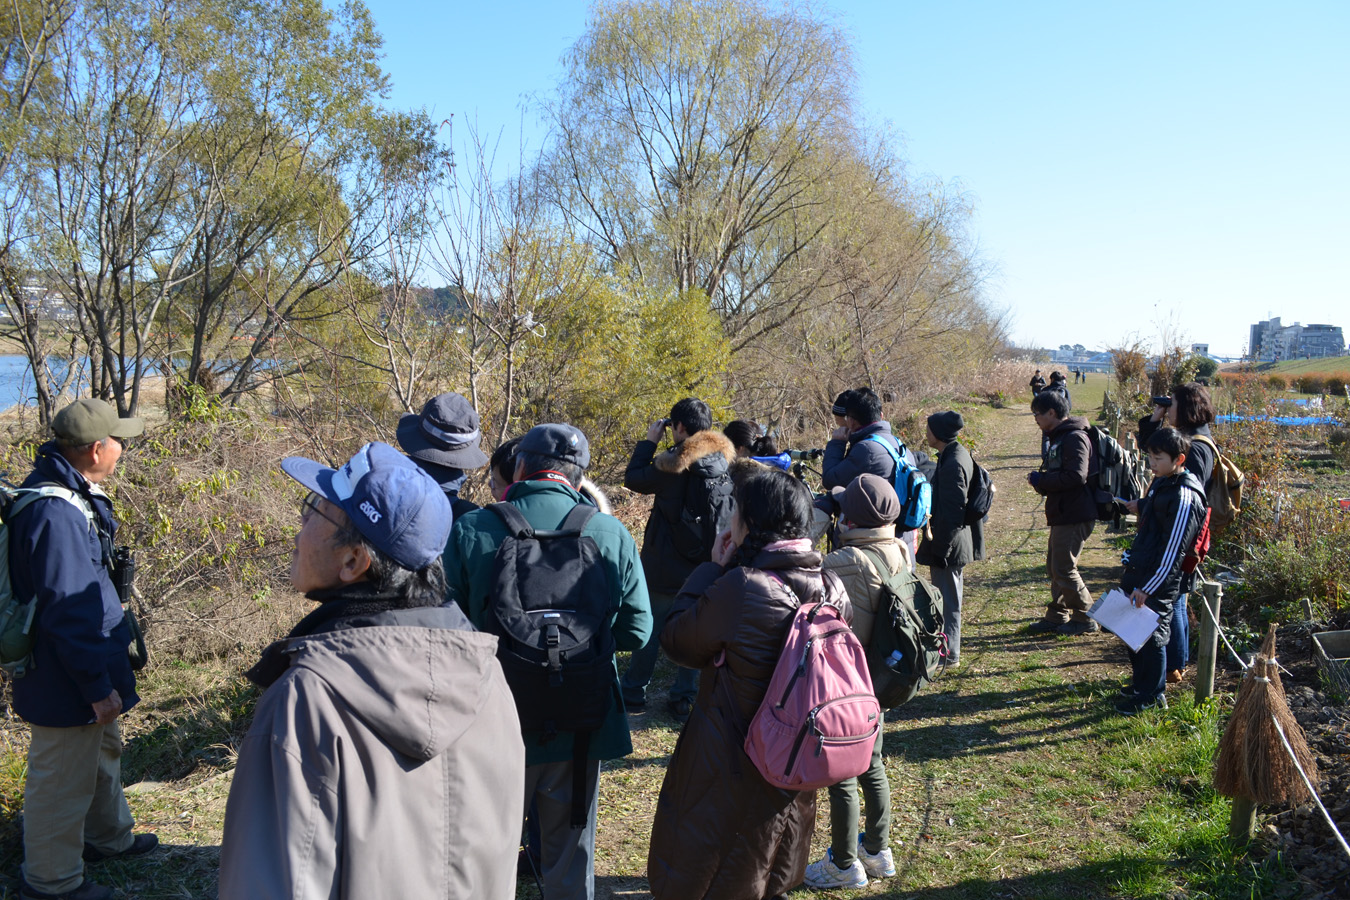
[1277, 381]
[1335, 384]
[1309, 384]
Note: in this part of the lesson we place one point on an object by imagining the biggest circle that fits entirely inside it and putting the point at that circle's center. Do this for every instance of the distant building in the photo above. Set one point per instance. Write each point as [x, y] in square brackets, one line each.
[1200, 349]
[1272, 341]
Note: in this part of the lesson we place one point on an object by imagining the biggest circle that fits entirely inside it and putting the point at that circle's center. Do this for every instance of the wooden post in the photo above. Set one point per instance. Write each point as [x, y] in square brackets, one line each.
[1209, 593]
[1242, 821]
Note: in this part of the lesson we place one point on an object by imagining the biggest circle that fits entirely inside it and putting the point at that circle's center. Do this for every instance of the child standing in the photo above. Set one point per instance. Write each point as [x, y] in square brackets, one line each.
[1170, 517]
[869, 554]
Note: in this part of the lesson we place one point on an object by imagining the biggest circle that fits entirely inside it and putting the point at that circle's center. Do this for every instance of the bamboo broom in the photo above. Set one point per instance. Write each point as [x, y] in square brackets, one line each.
[1253, 766]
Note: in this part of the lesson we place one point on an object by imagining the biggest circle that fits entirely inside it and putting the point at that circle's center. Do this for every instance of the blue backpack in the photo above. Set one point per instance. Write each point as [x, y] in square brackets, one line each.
[916, 494]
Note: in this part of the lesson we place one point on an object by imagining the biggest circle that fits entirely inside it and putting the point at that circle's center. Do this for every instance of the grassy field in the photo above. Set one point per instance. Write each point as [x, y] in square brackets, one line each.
[1011, 777]
[1327, 366]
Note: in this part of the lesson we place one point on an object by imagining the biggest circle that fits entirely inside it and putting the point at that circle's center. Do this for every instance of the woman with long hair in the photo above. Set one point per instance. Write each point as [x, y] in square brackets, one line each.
[721, 831]
[1190, 412]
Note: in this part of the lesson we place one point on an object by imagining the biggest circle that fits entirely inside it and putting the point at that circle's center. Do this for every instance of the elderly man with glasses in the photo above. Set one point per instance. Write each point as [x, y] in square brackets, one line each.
[385, 756]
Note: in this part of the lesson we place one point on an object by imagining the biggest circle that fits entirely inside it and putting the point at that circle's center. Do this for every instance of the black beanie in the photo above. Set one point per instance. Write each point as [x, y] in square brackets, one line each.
[946, 425]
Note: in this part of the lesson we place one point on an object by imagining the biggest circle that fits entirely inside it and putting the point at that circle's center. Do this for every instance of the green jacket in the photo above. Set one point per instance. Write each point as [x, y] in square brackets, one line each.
[468, 571]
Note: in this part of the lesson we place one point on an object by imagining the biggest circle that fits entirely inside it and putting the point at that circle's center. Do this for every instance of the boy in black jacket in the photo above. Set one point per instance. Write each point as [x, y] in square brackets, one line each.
[1170, 517]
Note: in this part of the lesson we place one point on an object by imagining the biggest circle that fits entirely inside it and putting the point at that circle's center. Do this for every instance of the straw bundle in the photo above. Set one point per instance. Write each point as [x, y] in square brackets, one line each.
[1253, 763]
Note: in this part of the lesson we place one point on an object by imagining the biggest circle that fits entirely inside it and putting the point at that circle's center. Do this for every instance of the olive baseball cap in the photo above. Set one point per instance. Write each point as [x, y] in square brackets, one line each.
[86, 421]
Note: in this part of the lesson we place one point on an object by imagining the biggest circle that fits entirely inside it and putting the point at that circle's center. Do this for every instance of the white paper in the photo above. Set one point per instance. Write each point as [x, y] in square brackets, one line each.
[1117, 613]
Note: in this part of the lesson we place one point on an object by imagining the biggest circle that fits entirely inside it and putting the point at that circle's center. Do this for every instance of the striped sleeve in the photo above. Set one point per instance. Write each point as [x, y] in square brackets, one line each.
[1173, 551]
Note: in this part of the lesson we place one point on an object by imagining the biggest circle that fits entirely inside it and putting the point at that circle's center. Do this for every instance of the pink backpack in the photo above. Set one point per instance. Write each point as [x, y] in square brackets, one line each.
[819, 719]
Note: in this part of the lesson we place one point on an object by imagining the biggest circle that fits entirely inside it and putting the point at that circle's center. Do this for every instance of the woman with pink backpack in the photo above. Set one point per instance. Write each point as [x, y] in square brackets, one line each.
[721, 830]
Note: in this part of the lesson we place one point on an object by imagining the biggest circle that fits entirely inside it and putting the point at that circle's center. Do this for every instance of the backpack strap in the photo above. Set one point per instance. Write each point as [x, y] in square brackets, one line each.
[28, 496]
[515, 523]
[890, 451]
[878, 561]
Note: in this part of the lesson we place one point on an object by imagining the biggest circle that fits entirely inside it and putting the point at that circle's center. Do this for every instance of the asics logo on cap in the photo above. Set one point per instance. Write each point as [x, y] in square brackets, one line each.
[371, 512]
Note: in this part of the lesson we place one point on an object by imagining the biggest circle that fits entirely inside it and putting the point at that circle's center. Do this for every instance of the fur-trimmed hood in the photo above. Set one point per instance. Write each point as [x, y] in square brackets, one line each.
[693, 449]
[593, 492]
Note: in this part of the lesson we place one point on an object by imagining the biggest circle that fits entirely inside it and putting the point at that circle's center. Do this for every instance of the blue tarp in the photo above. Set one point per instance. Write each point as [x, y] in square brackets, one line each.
[1280, 420]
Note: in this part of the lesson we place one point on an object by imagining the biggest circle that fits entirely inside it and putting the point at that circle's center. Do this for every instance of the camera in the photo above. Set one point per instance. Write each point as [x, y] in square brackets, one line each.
[1164, 402]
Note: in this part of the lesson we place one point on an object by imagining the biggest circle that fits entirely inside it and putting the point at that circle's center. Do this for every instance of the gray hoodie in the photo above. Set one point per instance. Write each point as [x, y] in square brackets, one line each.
[384, 761]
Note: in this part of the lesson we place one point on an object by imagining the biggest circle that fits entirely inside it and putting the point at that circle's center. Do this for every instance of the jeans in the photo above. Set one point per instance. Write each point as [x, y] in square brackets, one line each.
[949, 582]
[876, 792]
[634, 682]
[1147, 664]
[1179, 644]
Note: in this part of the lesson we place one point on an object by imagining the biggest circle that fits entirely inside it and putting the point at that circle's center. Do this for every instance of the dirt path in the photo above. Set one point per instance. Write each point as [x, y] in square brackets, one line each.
[1000, 784]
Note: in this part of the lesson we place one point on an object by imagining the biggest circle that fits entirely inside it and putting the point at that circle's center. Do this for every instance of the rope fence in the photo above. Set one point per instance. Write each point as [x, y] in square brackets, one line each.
[1340, 839]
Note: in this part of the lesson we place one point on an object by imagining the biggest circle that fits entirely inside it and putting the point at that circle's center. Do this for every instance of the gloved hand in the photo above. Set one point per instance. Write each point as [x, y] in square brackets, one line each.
[1033, 478]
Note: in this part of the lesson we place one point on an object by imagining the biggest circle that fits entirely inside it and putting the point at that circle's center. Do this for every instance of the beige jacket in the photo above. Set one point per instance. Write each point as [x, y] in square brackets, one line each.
[858, 572]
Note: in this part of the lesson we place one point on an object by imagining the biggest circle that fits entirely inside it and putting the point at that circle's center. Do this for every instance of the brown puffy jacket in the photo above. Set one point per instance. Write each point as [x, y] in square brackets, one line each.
[720, 830]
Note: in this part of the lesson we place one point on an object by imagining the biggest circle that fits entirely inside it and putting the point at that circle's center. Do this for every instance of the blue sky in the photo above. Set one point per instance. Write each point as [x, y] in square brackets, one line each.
[1133, 168]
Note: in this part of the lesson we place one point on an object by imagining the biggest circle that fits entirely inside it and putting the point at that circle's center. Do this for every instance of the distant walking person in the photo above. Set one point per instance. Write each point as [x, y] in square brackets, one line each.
[1037, 383]
[1070, 511]
[384, 757]
[691, 505]
[951, 544]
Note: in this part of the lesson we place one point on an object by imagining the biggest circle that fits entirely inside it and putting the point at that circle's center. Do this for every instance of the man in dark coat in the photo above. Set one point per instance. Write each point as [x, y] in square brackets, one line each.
[80, 679]
[953, 544]
[1070, 511]
[1037, 383]
[699, 454]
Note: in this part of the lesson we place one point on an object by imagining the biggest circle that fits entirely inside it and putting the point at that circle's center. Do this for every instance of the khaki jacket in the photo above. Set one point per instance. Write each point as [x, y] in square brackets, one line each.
[857, 571]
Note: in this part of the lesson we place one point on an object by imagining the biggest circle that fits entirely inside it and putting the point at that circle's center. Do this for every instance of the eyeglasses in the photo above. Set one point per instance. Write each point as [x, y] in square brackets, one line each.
[310, 506]
[124, 443]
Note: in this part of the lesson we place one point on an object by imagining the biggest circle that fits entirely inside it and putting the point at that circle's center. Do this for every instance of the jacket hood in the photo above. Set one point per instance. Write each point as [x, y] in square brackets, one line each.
[708, 451]
[593, 492]
[417, 687]
[853, 536]
[1071, 423]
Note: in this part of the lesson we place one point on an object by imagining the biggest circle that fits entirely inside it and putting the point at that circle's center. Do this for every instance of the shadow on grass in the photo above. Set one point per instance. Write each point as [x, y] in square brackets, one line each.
[1086, 882]
[186, 732]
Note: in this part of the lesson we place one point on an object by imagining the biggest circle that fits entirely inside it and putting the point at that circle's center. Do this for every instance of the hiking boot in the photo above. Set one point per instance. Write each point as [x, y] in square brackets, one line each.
[876, 865]
[1126, 693]
[1137, 705]
[86, 891]
[1174, 676]
[680, 708]
[1073, 629]
[823, 874]
[141, 844]
[1044, 626]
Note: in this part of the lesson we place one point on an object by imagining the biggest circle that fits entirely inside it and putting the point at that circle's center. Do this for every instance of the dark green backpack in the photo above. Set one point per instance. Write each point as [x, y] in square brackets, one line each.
[908, 647]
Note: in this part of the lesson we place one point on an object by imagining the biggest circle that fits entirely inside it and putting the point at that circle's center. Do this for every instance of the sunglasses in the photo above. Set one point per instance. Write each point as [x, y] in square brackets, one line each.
[310, 507]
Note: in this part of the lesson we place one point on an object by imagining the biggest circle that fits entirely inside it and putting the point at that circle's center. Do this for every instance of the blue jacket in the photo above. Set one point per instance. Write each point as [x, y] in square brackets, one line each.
[80, 642]
[1170, 516]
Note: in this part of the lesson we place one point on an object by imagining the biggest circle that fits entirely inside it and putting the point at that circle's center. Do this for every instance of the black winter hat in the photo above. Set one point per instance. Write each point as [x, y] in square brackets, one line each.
[946, 425]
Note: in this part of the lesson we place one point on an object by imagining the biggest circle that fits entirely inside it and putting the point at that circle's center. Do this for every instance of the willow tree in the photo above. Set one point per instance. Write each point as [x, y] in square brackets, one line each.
[688, 136]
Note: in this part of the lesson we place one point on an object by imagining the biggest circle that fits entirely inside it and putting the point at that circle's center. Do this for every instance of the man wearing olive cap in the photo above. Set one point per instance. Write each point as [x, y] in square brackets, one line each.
[79, 679]
[384, 758]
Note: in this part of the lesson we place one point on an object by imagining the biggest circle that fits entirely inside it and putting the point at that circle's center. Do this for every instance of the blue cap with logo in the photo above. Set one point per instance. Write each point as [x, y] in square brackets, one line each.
[394, 504]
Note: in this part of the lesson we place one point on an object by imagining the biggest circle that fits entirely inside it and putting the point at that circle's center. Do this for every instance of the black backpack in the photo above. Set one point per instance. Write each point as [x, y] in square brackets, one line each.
[550, 612]
[908, 647]
[705, 513]
[979, 493]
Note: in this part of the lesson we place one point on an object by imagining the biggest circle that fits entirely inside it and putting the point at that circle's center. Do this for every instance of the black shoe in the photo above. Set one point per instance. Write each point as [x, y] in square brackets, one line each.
[1044, 626]
[1137, 705]
[1076, 628]
[141, 844]
[86, 891]
[634, 705]
[680, 709]
[1125, 694]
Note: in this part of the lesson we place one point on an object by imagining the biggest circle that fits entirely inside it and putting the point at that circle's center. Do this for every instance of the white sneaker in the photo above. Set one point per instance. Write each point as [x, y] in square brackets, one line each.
[876, 865]
[823, 874]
